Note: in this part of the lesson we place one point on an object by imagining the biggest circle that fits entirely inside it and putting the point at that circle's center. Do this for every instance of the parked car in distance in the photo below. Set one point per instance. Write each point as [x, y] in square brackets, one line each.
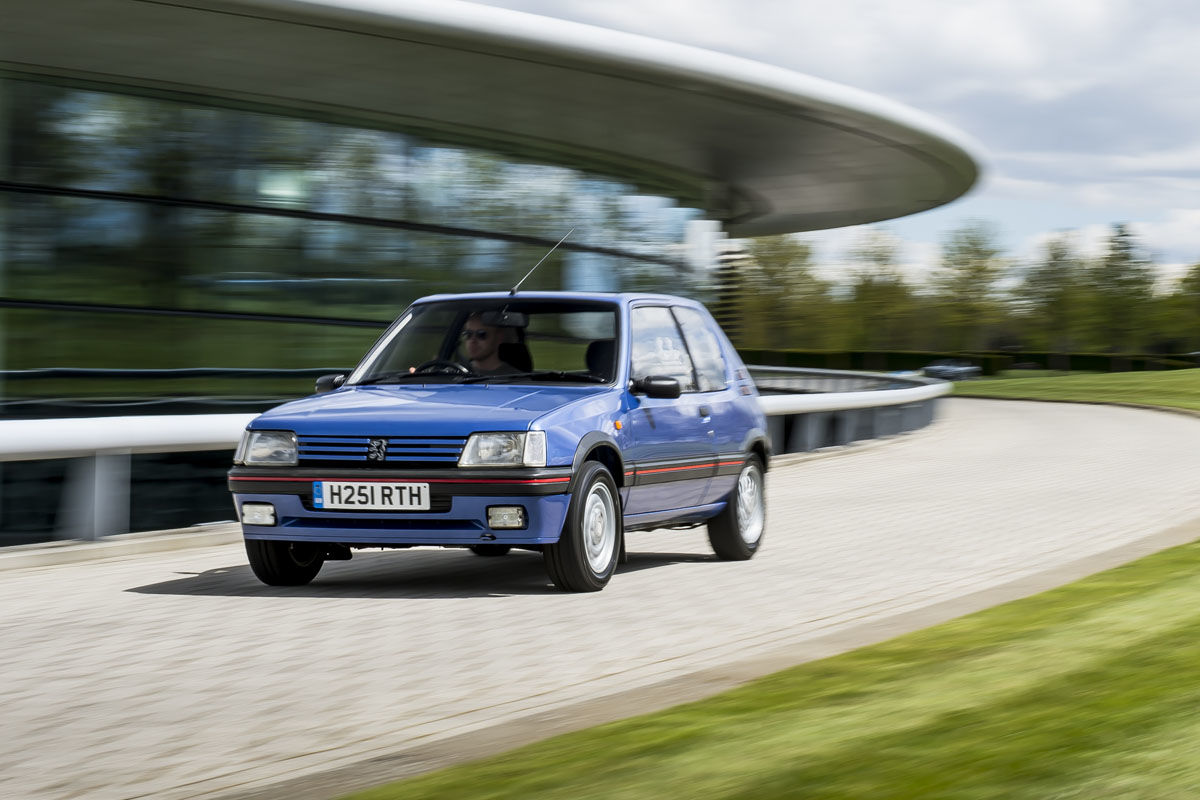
[952, 369]
[550, 421]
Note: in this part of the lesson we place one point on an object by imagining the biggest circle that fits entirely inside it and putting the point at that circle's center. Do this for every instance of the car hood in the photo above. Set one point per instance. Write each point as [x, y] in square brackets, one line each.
[428, 410]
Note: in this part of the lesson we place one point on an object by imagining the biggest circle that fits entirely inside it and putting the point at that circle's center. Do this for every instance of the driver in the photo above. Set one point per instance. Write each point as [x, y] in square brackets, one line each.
[482, 343]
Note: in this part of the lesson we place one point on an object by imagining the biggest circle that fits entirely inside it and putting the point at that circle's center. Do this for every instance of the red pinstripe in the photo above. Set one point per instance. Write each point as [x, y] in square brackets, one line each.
[413, 480]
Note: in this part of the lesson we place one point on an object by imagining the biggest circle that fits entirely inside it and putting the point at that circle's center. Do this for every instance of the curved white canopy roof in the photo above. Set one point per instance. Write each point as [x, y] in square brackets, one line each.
[763, 149]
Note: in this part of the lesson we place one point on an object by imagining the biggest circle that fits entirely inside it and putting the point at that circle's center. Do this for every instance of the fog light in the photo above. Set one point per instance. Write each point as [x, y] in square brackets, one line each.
[506, 516]
[258, 514]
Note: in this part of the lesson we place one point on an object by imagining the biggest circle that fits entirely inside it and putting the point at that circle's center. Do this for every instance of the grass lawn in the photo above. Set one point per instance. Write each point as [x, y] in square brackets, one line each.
[1090, 690]
[1172, 388]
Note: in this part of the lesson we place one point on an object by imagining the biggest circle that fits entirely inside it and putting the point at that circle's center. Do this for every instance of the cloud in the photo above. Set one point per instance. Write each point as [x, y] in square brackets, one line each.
[1166, 243]
[1087, 107]
[834, 252]
[1050, 46]
[1001, 69]
[1178, 234]
[1089, 242]
[1182, 160]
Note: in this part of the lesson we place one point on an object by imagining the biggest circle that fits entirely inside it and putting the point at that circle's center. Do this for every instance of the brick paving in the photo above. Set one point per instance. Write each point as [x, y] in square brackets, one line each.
[178, 675]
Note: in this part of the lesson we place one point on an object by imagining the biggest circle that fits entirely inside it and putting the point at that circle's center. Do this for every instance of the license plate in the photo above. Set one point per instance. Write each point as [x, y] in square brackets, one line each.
[371, 496]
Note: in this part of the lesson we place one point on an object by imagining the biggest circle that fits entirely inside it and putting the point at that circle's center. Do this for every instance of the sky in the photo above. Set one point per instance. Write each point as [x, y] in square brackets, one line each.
[1087, 111]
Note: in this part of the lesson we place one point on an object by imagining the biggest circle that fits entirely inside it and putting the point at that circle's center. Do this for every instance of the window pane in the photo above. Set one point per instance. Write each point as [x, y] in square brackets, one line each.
[544, 336]
[141, 206]
[172, 147]
[560, 341]
[704, 347]
[658, 348]
[421, 340]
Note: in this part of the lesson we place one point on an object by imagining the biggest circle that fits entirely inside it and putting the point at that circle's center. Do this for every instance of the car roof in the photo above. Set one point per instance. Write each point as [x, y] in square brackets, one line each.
[623, 298]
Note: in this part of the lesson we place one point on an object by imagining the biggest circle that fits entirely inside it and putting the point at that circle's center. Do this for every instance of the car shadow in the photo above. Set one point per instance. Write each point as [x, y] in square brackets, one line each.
[640, 561]
[401, 574]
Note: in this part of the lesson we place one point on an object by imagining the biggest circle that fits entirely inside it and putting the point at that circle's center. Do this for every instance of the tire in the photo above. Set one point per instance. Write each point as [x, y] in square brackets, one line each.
[284, 563]
[585, 555]
[736, 533]
[490, 550]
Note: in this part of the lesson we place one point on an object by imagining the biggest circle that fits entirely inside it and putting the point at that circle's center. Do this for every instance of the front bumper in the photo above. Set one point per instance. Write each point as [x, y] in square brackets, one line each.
[458, 513]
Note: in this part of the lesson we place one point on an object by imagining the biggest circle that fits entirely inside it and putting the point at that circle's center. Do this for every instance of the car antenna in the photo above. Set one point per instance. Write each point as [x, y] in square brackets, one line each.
[543, 258]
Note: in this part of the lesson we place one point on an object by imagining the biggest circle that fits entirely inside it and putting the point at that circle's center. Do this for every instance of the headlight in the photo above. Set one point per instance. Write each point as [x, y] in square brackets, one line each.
[504, 450]
[267, 448]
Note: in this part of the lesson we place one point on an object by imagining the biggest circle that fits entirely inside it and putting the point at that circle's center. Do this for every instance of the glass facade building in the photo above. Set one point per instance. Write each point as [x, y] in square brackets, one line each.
[143, 231]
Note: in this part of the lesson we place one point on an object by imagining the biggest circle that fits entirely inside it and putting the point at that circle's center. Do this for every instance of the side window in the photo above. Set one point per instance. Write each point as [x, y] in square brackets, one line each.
[657, 347]
[705, 348]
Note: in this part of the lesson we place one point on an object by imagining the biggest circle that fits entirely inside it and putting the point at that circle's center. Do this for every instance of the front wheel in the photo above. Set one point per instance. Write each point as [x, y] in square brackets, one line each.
[585, 555]
[284, 563]
[736, 533]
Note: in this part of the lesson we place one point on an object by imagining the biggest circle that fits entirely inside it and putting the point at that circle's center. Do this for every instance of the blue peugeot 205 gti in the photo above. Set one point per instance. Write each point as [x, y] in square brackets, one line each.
[551, 421]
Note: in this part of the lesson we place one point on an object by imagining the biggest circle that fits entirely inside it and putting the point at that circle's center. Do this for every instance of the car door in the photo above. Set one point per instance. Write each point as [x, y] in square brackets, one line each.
[718, 399]
[672, 456]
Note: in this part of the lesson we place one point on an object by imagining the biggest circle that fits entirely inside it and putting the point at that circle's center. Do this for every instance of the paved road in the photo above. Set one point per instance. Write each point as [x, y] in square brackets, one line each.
[178, 675]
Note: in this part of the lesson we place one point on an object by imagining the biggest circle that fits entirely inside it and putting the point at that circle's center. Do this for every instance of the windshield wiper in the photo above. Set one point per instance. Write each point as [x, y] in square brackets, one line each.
[396, 377]
[543, 374]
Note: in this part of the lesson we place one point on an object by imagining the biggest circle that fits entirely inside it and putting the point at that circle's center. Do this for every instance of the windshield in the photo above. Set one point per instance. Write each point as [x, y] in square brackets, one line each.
[497, 341]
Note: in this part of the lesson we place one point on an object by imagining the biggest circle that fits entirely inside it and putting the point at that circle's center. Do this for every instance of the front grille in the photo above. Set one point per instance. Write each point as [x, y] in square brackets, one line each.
[391, 524]
[404, 451]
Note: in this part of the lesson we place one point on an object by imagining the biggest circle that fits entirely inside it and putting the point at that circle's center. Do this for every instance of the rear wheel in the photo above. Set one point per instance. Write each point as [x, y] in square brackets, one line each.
[585, 556]
[737, 531]
[285, 563]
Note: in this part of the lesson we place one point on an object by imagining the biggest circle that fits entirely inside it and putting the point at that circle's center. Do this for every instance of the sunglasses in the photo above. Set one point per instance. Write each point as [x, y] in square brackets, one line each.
[469, 334]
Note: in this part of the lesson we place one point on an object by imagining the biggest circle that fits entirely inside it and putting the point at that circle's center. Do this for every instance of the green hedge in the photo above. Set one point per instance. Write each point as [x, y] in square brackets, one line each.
[1093, 362]
[868, 360]
[991, 363]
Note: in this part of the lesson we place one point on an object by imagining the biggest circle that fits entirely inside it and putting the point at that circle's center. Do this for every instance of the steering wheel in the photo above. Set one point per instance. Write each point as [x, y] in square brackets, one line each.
[444, 366]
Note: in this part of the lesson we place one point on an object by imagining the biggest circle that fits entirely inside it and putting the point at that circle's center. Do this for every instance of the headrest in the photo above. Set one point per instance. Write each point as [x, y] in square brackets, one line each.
[600, 358]
[516, 354]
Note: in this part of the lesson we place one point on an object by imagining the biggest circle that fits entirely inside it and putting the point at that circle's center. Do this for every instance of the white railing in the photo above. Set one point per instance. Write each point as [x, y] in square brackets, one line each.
[34, 439]
[779, 404]
[96, 494]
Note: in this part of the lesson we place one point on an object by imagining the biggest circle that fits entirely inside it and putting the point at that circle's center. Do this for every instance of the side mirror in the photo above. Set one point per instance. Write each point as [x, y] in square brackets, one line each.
[327, 383]
[656, 386]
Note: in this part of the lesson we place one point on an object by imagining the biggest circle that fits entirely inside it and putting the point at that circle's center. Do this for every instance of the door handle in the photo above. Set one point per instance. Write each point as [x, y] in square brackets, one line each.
[705, 411]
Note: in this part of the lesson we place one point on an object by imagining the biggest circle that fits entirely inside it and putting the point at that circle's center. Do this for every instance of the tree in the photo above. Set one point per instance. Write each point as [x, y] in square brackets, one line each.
[1122, 284]
[1050, 296]
[965, 286]
[1181, 312]
[881, 303]
[784, 304]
